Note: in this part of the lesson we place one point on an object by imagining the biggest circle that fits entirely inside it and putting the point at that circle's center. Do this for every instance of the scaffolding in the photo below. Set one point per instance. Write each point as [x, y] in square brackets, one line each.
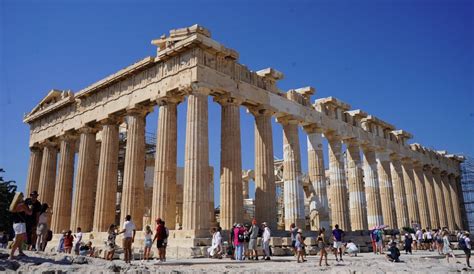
[467, 184]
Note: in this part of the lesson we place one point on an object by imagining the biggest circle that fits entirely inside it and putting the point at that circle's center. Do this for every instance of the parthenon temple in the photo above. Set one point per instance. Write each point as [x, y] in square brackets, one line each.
[375, 176]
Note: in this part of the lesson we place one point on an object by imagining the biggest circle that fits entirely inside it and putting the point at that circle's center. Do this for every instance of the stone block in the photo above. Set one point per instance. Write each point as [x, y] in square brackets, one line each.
[286, 241]
[278, 251]
[275, 241]
[310, 241]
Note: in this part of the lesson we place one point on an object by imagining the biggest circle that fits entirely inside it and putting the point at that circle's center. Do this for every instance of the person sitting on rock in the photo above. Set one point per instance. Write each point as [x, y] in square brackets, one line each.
[394, 255]
[87, 250]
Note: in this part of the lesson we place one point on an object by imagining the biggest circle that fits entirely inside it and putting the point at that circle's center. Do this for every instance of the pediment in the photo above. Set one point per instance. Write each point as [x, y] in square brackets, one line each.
[52, 98]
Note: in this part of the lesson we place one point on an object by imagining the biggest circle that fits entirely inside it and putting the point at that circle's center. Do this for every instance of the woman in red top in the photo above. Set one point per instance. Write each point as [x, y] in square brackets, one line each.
[160, 237]
[68, 239]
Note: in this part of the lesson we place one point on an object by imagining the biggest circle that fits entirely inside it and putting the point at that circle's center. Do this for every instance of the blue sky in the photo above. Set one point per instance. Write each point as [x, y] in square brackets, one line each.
[409, 63]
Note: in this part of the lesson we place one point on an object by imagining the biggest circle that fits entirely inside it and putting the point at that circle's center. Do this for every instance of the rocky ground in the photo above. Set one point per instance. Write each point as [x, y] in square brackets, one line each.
[419, 262]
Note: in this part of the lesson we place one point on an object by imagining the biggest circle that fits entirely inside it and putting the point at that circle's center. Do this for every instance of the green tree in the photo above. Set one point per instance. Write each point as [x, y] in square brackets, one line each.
[7, 192]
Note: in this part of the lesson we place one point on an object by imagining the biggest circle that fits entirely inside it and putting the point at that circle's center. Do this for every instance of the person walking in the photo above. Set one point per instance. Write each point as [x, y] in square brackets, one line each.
[447, 246]
[419, 239]
[19, 211]
[266, 241]
[337, 235]
[299, 245]
[465, 245]
[42, 228]
[148, 243]
[322, 246]
[293, 235]
[32, 220]
[373, 239]
[379, 241]
[408, 243]
[253, 234]
[129, 232]
[239, 242]
[165, 241]
[111, 236]
[160, 236]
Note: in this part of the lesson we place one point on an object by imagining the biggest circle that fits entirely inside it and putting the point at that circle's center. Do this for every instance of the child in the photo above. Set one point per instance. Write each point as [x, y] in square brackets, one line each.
[68, 239]
[148, 242]
[394, 255]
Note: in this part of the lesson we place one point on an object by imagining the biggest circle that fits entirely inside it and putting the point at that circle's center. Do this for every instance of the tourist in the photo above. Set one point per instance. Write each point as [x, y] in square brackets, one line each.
[447, 246]
[351, 249]
[111, 236]
[78, 240]
[165, 241]
[373, 239]
[429, 239]
[42, 229]
[129, 232]
[216, 245]
[19, 211]
[246, 241]
[419, 239]
[337, 235]
[299, 245]
[379, 241]
[465, 244]
[231, 241]
[394, 255]
[293, 234]
[438, 239]
[87, 249]
[239, 242]
[322, 246]
[160, 236]
[60, 247]
[408, 243]
[32, 220]
[68, 239]
[3, 239]
[148, 242]
[253, 234]
[266, 241]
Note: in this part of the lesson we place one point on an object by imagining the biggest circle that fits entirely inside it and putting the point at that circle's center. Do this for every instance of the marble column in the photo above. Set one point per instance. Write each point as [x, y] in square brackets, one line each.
[431, 197]
[231, 165]
[107, 176]
[453, 190]
[386, 189]
[447, 199]
[245, 188]
[317, 175]
[84, 191]
[357, 199]
[34, 170]
[412, 201]
[134, 168]
[372, 189]
[337, 178]
[440, 203]
[265, 189]
[399, 193]
[421, 195]
[164, 182]
[196, 166]
[61, 209]
[47, 179]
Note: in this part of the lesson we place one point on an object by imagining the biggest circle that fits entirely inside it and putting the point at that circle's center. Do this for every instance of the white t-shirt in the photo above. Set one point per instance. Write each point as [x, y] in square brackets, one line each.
[419, 234]
[467, 241]
[129, 227]
[428, 235]
[78, 237]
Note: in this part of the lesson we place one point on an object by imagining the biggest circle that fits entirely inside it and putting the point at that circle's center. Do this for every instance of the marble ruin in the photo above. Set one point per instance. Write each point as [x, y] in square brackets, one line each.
[375, 176]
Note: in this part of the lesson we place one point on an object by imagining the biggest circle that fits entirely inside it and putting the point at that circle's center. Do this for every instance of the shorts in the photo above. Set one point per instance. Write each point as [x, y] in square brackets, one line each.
[419, 241]
[321, 245]
[42, 229]
[127, 243]
[379, 243]
[148, 243]
[337, 244]
[160, 244]
[253, 244]
[467, 251]
[428, 241]
[293, 244]
[19, 228]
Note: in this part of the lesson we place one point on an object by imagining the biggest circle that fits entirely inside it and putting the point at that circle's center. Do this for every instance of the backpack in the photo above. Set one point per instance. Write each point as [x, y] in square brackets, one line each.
[462, 243]
[241, 237]
[49, 237]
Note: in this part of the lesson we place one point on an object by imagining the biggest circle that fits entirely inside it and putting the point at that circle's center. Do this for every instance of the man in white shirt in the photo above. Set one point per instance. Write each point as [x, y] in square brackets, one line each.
[78, 240]
[419, 239]
[128, 237]
[266, 241]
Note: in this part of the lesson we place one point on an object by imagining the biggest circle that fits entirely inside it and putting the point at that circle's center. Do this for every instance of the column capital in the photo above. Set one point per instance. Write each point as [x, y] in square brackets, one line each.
[68, 136]
[287, 120]
[260, 111]
[35, 147]
[112, 120]
[436, 170]
[169, 100]
[48, 143]
[351, 142]
[427, 168]
[312, 128]
[443, 173]
[226, 99]
[407, 161]
[138, 110]
[88, 129]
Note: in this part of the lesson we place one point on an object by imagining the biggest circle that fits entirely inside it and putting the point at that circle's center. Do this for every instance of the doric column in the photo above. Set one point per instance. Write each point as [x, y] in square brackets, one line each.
[409, 180]
[231, 164]
[447, 199]
[47, 179]
[245, 188]
[453, 190]
[317, 175]
[443, 220]
[399, 194]
[337, 178]
[164, 182]
[134, 168]
[107, 176]
[386, 189]
[61, 218]
[372, 189]
[196, 165]
[355, 179]
[293, 187]
[421, 195]
[34, 170]
[265, 192]
[431, 197]
[84, 191]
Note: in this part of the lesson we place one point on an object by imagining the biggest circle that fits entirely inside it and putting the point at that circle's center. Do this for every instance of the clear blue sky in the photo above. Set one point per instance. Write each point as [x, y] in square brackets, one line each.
[409, 63]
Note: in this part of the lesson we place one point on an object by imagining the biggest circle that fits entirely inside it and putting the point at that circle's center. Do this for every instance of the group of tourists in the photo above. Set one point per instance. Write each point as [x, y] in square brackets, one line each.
[30, 224]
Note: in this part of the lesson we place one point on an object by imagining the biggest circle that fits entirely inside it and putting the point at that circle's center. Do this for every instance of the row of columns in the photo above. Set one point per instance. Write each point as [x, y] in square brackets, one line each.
[379, 188]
